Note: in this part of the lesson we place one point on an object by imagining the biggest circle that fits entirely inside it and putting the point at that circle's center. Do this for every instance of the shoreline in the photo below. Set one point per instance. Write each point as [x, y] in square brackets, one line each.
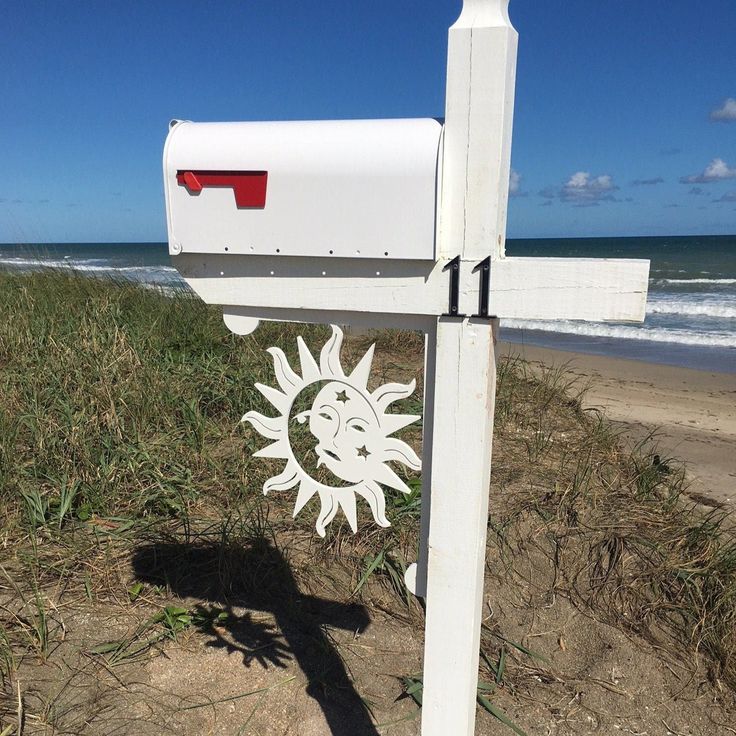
[692, 412]
[711, 358]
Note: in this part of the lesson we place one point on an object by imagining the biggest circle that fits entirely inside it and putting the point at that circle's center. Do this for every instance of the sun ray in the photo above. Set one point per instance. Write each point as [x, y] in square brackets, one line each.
[373, 494]
[328, 511]
[272, 428]
[310, 369]
[385, 395]
[285, 480]
[399, 451]
[383, 474]
[307, 489]
[288, 380]
[281, 401]
[360, 375]
[329, 358]
[347, 502]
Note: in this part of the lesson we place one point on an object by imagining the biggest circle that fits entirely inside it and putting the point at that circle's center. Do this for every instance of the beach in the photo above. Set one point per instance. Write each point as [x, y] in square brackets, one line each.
[692, 413]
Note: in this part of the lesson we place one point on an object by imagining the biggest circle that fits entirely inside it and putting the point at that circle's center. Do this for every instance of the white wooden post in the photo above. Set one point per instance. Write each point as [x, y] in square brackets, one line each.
[460, 473]
[479, 109]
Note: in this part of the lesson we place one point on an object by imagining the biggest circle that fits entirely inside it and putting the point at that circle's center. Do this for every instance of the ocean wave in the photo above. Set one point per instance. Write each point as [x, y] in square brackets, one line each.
[96, 268]
[688, 307]
[94, 265]
[694, 281]
[627, 332]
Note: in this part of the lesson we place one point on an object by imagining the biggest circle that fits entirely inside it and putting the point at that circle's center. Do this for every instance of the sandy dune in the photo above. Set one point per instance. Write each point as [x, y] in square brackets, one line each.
[693, 412]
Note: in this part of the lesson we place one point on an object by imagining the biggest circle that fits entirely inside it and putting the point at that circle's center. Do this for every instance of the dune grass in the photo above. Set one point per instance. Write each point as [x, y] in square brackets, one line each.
[119, 410]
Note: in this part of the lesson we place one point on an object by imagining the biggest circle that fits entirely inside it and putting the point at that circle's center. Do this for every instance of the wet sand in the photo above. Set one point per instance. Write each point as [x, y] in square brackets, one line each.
[693, 412]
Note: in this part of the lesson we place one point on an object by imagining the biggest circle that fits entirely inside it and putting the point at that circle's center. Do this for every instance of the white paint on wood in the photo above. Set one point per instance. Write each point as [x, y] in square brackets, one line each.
[241, 319]
[593, 289]
[240, 324]
[481, 75]
[481, 70]
[416, 574]
[460, 472]
[596, 289]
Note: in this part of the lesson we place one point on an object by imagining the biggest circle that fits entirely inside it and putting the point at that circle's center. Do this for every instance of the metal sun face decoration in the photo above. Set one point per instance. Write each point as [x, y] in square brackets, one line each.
[349, 425]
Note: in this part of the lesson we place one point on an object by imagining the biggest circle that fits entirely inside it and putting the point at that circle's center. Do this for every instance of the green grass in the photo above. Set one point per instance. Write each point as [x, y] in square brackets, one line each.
[119, 400]
[119, 427]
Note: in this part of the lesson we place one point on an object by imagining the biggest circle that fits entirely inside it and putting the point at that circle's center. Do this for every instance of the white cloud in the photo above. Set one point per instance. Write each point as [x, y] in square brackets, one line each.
[727, 197]
[514, 183]
[726, 113]
[716, 170]
[583, 190]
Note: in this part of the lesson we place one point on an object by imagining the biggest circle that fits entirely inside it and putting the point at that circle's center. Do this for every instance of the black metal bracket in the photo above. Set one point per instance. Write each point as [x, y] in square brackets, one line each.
[484, 293]
[454, 268]
[485, 287]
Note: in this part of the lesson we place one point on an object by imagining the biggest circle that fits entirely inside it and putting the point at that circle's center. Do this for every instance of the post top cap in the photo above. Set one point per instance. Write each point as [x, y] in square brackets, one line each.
[483, 14]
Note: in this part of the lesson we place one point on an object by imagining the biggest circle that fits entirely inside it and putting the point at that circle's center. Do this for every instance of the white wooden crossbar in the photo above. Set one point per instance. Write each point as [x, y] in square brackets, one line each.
[524, 288]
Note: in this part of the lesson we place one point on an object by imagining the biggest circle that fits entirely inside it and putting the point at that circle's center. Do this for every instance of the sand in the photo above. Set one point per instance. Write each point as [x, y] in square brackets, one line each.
[692, 412]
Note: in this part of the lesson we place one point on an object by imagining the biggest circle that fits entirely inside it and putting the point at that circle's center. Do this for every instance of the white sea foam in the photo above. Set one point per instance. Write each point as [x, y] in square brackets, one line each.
[723, 308]
[694, 281]
[628, 332]
[87, 266]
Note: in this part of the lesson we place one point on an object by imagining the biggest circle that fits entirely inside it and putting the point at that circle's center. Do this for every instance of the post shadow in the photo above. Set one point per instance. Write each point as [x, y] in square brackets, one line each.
[258, 578]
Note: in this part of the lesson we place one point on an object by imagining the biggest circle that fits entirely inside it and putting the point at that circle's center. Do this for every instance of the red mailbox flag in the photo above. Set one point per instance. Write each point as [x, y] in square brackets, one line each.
[249, 186]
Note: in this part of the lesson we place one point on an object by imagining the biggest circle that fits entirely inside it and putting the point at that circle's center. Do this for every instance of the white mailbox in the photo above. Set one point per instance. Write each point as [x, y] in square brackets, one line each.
[341, 189]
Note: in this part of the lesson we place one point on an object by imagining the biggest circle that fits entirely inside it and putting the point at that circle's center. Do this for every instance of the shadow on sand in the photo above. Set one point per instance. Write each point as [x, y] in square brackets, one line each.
[259, 579]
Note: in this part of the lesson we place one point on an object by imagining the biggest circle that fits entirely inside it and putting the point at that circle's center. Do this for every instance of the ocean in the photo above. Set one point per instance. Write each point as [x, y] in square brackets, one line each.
[691, 309]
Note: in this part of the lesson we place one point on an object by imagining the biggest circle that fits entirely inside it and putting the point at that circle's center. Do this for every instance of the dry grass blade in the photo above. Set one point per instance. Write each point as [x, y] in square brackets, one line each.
[240, 696]
[20, 716]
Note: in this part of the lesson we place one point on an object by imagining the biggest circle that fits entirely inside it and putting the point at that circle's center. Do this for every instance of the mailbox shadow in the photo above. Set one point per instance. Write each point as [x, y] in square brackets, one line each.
[258, 578]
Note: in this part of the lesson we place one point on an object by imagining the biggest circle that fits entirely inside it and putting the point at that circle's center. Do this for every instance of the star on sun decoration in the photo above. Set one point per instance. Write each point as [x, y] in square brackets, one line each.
[351, 429]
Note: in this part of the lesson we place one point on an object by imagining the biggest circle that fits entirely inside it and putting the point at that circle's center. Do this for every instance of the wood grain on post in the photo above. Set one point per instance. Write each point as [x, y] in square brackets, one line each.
[472, 223]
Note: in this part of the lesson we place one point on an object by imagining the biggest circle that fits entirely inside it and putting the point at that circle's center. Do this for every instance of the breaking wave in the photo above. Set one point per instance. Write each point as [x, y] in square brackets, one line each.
[94, 266]
[627, 332]
[702, 308]
[694, 281]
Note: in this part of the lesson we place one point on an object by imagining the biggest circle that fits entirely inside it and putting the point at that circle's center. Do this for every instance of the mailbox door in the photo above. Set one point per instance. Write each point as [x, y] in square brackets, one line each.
[341, 189]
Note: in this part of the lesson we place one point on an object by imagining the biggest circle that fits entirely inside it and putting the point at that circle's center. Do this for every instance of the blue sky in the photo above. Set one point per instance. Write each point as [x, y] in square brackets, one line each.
[625, 117]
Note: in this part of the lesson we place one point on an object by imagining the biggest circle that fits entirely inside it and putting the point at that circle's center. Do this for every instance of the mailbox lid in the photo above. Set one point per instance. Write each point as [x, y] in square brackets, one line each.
[347, 188]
